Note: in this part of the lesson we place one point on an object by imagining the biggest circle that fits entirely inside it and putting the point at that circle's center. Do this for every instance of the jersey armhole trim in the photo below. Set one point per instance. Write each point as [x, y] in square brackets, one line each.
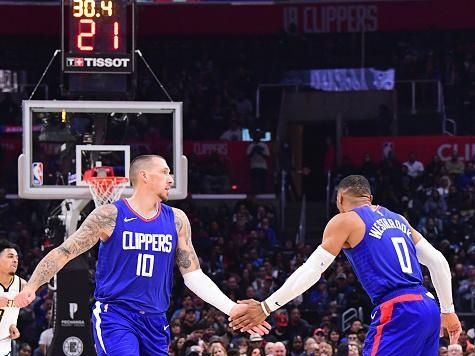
[117, 206]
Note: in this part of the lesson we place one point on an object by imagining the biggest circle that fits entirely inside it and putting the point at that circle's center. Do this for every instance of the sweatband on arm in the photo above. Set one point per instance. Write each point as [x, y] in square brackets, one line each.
[302, 279]
[439, 273]
[200, 284]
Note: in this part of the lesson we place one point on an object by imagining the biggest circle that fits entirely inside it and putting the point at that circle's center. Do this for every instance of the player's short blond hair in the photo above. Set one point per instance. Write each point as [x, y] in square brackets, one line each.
[139, 163]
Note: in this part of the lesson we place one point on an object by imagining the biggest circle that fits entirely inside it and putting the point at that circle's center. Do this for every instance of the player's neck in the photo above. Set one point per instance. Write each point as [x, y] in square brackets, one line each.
[145, 205]
[5, 279]
[358, 203]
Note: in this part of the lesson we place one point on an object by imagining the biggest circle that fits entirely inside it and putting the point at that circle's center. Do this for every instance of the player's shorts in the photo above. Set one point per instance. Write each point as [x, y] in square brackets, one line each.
[123, 332]
[5, 347]
[406, 322]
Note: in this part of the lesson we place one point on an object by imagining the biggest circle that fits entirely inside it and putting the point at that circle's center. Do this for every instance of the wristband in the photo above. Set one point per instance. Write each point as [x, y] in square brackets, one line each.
[264, 309]
[447, 310]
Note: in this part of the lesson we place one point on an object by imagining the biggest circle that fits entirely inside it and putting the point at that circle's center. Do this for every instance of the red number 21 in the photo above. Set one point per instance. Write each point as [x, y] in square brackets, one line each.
[85, 34]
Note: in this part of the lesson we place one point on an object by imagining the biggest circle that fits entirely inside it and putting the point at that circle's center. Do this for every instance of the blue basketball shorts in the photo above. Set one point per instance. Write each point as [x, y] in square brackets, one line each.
[406, 324]
[123, 332]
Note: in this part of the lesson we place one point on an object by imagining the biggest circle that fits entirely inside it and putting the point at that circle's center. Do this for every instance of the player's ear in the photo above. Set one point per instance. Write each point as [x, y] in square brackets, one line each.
[144, 176]
[371, 198]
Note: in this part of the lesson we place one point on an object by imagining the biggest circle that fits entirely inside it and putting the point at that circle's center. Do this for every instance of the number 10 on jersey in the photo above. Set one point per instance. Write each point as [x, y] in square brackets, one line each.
[145, 265]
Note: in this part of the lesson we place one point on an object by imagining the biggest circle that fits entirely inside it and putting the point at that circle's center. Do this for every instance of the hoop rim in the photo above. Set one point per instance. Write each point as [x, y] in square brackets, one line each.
[92, 180]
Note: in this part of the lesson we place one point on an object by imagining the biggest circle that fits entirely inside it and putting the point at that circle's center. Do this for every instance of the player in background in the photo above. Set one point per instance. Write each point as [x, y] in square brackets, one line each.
[10, 286]
[140, 240]
[385, 252]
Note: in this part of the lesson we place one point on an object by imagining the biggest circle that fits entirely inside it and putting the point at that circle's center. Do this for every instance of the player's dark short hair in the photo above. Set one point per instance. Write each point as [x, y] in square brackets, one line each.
[355, 185]
[4, 244]
[136, 165]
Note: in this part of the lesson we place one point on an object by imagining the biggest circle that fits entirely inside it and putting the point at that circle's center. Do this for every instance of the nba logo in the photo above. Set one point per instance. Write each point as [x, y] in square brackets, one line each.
[37, 168]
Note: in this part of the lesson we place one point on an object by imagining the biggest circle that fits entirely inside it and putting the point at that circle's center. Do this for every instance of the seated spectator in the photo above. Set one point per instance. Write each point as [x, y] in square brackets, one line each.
[217, 350]
[454, 165]
[415, 168]
[325, 349]
[436, 166]
[269, 348]
[281, 330]
[465, 344]
[279, 349]
[454, 350]
[319, 335]
[297, 325]
[46, 337]
[435, 204]
[296, 346]
[24, 350]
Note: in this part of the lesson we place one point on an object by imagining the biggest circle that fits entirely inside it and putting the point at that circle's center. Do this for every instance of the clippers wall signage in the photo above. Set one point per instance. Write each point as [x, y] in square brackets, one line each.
[97, 36]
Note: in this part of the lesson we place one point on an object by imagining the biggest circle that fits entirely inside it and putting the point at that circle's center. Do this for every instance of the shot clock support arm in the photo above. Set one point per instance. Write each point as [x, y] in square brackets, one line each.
[44, 73]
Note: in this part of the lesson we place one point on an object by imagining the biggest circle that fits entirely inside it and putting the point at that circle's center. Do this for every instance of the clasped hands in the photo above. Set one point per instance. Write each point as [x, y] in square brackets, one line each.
[248, 316]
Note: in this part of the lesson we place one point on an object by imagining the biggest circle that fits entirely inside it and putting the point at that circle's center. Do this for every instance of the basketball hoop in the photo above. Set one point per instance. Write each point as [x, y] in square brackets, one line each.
[105, 190]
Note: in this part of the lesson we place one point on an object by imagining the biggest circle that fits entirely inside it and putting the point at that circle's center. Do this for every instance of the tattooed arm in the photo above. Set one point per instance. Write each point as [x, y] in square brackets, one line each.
[185, 255]
[98, 225]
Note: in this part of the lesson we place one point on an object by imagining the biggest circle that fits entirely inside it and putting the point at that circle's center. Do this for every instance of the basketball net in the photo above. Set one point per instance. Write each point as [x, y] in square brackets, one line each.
[105, 190]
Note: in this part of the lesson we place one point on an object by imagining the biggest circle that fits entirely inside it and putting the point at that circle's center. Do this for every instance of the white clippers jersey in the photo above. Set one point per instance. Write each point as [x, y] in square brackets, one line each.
[9, 315]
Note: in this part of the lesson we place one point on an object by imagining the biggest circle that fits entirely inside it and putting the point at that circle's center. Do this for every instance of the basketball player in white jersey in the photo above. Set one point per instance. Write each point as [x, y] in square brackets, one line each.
[10, 286]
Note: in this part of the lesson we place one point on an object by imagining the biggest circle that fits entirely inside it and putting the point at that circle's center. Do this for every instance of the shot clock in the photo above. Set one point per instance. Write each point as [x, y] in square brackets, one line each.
[97, 36]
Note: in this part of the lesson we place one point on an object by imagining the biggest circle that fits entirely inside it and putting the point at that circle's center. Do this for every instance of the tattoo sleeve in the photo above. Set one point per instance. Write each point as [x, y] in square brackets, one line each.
[185, 255]
[100, 223]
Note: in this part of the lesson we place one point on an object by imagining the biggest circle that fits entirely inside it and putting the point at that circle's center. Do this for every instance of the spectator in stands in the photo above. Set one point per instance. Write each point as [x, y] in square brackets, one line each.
[269, 348]
[435, 167]
[325, 349]
[296, 346]
[258, 153]
[415, 168]
[257, 351]
[217, 350]
[255, 341]
[24, 350]
[281, 331]
[454, 165]
[368, 168]
[435, 204]
[319, 335]
[243, 346]
[279, 349]
[297, 325]
[187, 303]
[454, 350]
[443, 351]
[46, 337]
[309, 346]
[354, 349]
[465, 344]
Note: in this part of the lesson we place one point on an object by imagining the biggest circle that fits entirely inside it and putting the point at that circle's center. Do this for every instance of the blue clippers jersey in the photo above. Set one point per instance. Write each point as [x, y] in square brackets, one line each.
[135, 265]
[385, 260]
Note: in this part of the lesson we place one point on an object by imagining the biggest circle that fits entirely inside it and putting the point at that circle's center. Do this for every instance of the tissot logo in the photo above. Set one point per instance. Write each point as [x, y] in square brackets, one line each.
[92, 62]
[78, 62]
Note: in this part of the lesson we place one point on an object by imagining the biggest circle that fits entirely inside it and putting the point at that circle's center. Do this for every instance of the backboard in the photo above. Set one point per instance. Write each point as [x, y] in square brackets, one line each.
[63, 140]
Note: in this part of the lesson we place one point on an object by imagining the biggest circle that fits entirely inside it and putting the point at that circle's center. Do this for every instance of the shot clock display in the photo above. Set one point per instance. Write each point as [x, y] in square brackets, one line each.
[97, 36]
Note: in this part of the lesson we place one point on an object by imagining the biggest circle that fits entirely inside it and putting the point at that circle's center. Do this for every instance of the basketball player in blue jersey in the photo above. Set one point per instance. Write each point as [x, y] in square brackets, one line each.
[385, 252]
[140, 240]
